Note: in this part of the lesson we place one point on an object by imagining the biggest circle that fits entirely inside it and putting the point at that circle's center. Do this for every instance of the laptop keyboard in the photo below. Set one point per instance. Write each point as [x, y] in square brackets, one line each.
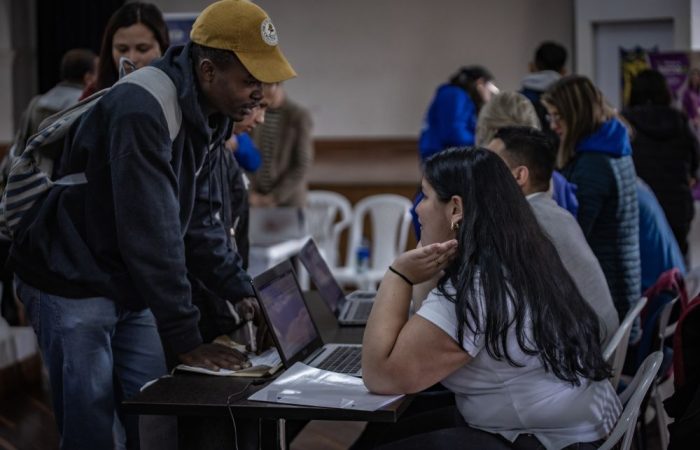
[343, 360]
[362, 311]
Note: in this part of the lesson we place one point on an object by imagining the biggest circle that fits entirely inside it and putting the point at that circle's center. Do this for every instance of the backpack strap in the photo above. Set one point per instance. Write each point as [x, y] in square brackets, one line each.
[30, 175]
[162, 88]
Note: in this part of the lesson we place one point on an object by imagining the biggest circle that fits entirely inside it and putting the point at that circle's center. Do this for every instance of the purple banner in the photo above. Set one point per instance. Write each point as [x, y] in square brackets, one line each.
[672, 65]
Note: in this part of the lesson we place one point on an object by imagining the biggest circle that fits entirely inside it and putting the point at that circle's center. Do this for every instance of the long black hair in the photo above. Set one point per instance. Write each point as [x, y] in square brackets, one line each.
[649, 87]
[467, 78]
[505, 256]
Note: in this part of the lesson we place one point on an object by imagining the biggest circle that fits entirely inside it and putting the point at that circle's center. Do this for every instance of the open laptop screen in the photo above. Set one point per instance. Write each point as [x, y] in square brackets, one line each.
[321, 275]
[286, 312]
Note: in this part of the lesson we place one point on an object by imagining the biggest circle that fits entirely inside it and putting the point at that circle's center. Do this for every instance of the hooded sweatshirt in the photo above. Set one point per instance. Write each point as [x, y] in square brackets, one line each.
[666, 158]
[147, 215]
[608, 213]
[450, 121]
[533, 86]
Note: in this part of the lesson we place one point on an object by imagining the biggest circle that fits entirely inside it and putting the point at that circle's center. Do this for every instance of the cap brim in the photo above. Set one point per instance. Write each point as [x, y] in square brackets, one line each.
[268, 67]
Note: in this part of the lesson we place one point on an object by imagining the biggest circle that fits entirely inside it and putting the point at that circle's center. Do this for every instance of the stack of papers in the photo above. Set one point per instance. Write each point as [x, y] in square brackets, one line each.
[308, 386]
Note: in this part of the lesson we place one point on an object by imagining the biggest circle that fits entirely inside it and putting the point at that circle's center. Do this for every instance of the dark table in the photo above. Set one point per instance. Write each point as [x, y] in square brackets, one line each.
[205, 404]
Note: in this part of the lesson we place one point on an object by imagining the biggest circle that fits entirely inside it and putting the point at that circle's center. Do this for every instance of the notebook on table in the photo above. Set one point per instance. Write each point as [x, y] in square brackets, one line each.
[293, 330]
[351, 309]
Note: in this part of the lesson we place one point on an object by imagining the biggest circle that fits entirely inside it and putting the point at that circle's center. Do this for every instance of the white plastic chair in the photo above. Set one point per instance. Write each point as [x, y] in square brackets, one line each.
[664, 331]
[616, 348]
[390, 219]
[632, 399]
[321, 215]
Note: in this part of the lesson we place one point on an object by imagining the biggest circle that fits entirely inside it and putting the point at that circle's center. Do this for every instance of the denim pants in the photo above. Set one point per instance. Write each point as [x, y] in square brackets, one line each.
[97, 354]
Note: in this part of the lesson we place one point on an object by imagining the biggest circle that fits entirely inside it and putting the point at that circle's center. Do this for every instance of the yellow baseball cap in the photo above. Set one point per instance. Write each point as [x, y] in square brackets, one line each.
[245, 29]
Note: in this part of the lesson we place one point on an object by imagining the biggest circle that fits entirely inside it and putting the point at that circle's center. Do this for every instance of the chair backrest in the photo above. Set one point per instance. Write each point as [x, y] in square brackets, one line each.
[665, 329]
[616, 348]
[390, 218]
[632, 399]
[321, 214]
[669, 288]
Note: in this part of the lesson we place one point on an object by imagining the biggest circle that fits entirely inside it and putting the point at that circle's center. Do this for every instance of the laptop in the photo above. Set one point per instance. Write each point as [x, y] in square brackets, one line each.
[293, 330]
[352, 309]
[270, 226]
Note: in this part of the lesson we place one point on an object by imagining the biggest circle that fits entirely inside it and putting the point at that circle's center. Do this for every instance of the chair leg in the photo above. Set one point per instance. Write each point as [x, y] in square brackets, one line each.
[639, 431]
[660, 416]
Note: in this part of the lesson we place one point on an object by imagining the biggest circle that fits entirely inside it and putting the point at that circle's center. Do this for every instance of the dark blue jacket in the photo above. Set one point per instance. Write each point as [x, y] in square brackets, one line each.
[658, 248]
[603, 171]
[666, 158]
[564, 193]
[146, 216]
[450, 121]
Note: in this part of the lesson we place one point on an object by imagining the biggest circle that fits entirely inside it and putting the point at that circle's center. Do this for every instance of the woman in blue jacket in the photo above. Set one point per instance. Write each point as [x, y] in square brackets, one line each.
[595, 154]
[451, 117]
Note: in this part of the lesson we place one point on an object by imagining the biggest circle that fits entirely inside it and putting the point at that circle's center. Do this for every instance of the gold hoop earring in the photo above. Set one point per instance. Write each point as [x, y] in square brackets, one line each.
[454, 226]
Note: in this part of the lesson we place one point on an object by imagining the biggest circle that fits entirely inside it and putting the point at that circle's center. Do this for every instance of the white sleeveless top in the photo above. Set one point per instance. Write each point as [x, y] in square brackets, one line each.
[496, 397]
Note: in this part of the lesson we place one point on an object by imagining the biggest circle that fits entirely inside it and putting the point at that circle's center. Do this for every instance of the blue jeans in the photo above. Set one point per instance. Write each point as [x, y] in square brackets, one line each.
[97, 354]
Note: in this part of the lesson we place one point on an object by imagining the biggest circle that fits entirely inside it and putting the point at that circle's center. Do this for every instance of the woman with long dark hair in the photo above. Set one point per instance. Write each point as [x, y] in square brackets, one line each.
[136, 31]
[506, 329]
[595, 155]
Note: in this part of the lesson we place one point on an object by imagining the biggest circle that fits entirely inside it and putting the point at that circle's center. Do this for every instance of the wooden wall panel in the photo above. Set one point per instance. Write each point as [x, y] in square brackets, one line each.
[358, 168]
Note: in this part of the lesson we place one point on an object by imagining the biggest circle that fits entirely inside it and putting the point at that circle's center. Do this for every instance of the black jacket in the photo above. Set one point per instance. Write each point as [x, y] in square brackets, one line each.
[666, 157]
[146, 217]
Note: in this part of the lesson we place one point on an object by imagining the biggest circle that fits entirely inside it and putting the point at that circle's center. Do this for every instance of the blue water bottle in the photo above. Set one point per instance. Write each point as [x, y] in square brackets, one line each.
[362, 256]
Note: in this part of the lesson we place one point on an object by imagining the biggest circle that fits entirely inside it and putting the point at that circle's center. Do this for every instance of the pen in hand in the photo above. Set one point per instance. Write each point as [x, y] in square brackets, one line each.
[251, 337]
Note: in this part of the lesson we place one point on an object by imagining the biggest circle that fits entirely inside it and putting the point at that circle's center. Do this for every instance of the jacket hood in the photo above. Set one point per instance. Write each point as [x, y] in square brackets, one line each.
[658, 122]
[449, 87]
[610, 138]
[61, 96]
[540, 81]
[177, 63]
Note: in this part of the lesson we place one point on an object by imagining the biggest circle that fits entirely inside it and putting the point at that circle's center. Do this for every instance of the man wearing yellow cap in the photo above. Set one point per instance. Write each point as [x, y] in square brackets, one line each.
[102, 266]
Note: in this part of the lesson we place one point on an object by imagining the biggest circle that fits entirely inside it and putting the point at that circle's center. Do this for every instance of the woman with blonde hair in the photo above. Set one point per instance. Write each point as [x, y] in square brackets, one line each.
[508, 109]
[595, 154]
[505, 109]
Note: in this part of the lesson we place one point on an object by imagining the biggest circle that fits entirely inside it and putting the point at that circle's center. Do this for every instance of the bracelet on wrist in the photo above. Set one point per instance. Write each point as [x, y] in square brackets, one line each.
[403, 277]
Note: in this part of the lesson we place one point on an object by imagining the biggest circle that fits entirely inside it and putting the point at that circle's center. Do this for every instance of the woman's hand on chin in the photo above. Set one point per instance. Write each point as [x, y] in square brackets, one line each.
[424, 262]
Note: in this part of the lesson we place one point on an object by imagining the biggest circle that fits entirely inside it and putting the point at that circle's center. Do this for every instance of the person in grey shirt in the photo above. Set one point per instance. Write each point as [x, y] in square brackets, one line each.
[78, 68]
[531, 157]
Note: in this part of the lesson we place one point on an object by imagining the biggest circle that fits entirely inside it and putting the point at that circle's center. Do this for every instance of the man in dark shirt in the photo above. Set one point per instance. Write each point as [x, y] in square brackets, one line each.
[103, 266]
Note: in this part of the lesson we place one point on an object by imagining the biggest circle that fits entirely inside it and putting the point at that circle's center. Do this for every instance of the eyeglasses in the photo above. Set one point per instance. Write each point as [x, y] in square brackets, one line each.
[552, 118]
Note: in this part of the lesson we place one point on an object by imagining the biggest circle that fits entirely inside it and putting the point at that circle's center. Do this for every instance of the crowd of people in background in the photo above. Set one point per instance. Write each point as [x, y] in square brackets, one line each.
[543, 215]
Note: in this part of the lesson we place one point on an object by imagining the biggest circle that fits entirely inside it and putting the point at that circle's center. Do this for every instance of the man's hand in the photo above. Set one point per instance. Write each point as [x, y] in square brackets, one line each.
[249, 309]
[214, 357]
[263, 337]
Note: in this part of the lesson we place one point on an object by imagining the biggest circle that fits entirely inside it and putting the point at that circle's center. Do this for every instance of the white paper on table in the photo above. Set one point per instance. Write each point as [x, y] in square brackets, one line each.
[304, 385]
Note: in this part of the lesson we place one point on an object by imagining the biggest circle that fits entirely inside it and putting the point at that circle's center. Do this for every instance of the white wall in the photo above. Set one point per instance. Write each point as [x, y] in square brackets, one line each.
[609, 37]
[695, 25]
[590, 12]
[369, 67]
